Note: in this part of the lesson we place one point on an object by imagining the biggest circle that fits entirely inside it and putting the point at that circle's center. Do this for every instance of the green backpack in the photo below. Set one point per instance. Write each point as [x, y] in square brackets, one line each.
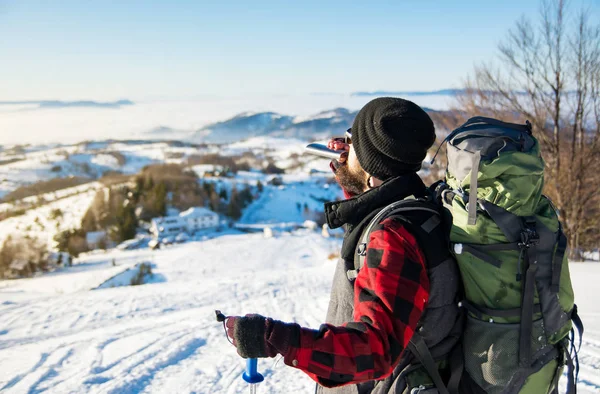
[511, 254]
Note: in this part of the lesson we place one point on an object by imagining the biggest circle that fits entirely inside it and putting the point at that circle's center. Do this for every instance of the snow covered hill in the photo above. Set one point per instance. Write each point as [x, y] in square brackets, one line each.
[243, 126]
[250, 124]
[162, 337]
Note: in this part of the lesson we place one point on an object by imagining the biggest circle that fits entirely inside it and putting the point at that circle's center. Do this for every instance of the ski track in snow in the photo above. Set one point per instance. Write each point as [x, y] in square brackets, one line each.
[163, 337]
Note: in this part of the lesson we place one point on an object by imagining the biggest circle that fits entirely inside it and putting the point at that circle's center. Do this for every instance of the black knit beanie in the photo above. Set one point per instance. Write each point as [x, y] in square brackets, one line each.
[391, 137]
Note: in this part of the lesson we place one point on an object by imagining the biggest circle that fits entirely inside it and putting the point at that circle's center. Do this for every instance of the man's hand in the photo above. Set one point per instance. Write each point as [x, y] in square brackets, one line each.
[257, 336]
[339, 144]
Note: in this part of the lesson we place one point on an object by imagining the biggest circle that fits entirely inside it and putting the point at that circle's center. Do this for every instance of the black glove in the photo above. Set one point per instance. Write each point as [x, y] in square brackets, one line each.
[256, 336]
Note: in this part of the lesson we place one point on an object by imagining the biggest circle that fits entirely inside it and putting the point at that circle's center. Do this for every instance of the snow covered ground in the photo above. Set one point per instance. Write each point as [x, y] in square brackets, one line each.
[82, 329]
[162, 337]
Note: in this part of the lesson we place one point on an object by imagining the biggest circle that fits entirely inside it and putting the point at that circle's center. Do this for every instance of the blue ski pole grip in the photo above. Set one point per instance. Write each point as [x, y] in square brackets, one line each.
[251, 375]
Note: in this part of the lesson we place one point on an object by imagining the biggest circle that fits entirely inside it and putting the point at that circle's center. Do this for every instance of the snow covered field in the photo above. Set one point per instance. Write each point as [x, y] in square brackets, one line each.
[162, 337]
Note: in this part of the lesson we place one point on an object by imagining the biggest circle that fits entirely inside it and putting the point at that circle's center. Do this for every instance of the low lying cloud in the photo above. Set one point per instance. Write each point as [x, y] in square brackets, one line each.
[73, 123]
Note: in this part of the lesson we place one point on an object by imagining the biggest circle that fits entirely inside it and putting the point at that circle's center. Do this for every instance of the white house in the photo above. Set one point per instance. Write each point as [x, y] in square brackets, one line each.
[189, 221]
[198, 218]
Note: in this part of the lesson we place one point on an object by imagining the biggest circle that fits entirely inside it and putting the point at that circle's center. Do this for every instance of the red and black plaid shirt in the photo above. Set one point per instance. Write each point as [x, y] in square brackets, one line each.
[390, 294]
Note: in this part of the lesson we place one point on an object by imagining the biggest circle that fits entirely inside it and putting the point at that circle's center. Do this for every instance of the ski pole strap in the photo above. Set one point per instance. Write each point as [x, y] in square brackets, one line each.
[221, 318]
[420, 350]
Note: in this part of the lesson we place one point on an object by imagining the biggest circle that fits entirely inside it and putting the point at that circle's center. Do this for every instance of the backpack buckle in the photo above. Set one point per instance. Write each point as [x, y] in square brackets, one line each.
[529, 127]
[362, 249]
[352, 275]
[529, 236]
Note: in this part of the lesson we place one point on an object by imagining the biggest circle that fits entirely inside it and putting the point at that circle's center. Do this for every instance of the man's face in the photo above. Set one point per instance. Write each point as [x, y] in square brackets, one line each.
[351, 176]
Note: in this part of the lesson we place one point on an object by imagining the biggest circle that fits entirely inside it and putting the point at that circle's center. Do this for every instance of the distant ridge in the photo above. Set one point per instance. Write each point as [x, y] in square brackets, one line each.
[71, 104]
[254, 124]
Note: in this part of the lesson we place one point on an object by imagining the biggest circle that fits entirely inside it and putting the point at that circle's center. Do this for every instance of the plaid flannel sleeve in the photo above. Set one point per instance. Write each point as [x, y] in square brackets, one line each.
[390, 294]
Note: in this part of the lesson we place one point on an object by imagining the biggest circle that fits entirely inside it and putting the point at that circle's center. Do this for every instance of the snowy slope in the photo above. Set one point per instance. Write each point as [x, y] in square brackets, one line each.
[299, 199]
[40, 223]
[162, 337]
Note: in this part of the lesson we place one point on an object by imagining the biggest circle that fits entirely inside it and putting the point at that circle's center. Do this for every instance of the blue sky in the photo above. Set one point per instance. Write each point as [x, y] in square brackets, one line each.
[105, 50]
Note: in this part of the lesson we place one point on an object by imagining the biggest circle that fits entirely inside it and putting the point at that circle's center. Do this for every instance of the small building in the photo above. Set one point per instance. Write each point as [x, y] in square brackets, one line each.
[209, 170]
[167, 226]
[199, 218]
[190, 221]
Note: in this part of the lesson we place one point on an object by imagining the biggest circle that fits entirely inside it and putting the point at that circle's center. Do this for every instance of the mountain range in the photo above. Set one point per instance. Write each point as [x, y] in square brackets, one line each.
[255, 124]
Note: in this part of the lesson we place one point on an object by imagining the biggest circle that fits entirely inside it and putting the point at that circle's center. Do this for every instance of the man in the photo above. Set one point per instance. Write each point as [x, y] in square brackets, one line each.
[373, 316]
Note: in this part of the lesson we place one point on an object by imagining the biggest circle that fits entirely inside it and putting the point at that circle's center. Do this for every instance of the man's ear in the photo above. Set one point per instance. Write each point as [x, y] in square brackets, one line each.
[370, 181]
[373, 182]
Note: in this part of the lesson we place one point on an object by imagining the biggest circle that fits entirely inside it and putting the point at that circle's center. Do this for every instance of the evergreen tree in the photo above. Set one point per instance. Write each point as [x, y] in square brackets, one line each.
[126, 223]
[245, 197]
[208, 187]
[215, 202]
[234, 210]
[160, 199]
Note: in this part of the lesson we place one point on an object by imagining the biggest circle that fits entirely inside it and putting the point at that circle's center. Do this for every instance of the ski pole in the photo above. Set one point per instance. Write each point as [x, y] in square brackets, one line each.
[251, 375]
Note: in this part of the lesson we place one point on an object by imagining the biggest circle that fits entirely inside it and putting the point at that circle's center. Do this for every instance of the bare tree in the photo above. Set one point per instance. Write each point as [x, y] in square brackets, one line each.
[549, 73]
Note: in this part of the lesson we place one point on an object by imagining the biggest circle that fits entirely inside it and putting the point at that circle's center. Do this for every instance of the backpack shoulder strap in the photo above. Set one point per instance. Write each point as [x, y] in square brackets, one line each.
[400, 209]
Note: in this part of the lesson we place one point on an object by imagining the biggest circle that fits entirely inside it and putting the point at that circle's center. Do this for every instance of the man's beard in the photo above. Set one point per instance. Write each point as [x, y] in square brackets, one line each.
[352, 181]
